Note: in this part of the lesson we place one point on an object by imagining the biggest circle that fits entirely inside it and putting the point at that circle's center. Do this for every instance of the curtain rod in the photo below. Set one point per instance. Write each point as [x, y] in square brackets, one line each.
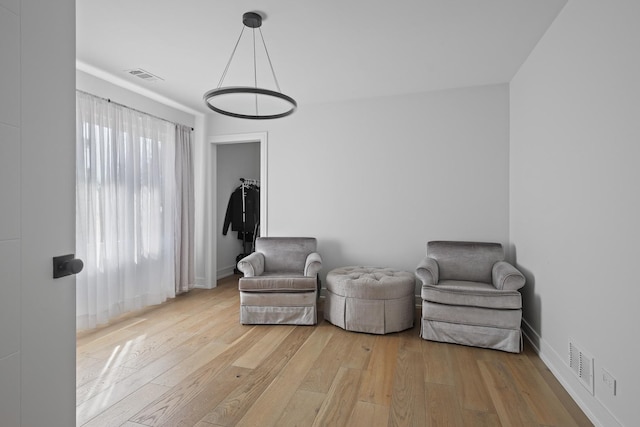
[133, 109]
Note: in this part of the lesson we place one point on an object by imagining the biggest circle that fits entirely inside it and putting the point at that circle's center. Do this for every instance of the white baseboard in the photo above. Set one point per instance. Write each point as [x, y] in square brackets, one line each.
[225, 272]
[599, 415]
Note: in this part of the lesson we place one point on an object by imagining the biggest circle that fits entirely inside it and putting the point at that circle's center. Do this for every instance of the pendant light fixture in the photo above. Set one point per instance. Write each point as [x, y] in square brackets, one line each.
[250, 102]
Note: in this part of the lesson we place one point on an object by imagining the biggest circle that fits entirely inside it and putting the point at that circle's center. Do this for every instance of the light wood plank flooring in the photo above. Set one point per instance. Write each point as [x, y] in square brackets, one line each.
[189, 362]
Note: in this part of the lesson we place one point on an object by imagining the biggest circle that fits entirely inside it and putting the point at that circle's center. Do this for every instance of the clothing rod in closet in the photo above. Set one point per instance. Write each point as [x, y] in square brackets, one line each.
[250, 181]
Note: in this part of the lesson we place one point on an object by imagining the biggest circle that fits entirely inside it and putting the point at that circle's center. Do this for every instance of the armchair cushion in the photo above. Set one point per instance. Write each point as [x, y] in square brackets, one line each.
[469, 261]
[286, 253]
[471, 294]
[277, 283]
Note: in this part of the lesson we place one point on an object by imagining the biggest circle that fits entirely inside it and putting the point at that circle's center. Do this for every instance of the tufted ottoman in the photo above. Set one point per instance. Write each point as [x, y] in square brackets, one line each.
[369, 299]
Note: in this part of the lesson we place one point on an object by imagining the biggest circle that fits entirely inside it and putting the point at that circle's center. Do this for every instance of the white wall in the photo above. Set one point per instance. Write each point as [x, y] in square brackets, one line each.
[575, 203]
[375, 179]
[234, 161]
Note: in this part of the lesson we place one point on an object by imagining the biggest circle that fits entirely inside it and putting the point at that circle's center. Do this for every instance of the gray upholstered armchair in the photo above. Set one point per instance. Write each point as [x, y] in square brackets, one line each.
[280, 283]
[470, 296]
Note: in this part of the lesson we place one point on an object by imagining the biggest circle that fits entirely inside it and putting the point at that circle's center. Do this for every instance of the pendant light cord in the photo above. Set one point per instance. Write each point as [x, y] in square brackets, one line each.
[275, 79]
[255, 73]
[255, 69]
[224, 73]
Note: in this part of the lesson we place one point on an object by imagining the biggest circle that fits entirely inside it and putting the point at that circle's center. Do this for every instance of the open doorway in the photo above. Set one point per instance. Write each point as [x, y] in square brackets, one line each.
[238, 203]
[224, 169]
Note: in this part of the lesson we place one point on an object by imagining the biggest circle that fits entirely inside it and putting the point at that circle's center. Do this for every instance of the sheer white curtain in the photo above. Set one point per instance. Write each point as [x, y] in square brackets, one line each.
[126, 219]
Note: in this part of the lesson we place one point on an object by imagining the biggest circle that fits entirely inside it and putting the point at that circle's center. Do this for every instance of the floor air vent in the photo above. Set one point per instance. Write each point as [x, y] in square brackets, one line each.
[144, 75]
[582, 366]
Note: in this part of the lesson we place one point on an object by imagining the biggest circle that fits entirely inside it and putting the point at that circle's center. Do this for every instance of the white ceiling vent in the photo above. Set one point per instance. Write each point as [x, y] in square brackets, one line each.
[582, 366]
[144, 75]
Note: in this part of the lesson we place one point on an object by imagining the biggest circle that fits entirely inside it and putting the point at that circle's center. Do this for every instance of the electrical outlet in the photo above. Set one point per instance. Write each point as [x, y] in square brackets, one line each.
[609, 381]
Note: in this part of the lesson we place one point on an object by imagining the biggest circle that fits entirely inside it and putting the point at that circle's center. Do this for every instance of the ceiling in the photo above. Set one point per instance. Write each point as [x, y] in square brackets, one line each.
[322, 51]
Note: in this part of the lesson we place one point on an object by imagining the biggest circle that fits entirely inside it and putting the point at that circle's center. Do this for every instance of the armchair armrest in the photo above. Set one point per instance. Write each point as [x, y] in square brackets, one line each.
[427, 271]
[252, 264]
[312, 265]
[506, 277]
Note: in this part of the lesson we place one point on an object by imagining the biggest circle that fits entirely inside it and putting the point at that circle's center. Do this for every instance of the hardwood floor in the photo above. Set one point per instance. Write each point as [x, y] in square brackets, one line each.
[189, 362]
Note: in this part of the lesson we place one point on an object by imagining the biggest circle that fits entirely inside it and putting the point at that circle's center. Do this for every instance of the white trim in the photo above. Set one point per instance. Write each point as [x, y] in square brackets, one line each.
[118, 81]
[225, 272]
[599, 415]
[211, 196]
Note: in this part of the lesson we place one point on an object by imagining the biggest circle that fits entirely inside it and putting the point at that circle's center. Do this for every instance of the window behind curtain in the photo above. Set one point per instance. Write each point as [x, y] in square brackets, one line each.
[125, 210]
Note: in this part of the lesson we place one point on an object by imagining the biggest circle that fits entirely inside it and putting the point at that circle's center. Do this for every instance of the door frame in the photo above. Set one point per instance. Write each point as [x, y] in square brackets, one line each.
[211, 258]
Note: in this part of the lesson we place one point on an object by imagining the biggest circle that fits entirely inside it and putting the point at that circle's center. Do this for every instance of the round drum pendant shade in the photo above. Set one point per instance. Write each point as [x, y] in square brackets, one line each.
[248, 102]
